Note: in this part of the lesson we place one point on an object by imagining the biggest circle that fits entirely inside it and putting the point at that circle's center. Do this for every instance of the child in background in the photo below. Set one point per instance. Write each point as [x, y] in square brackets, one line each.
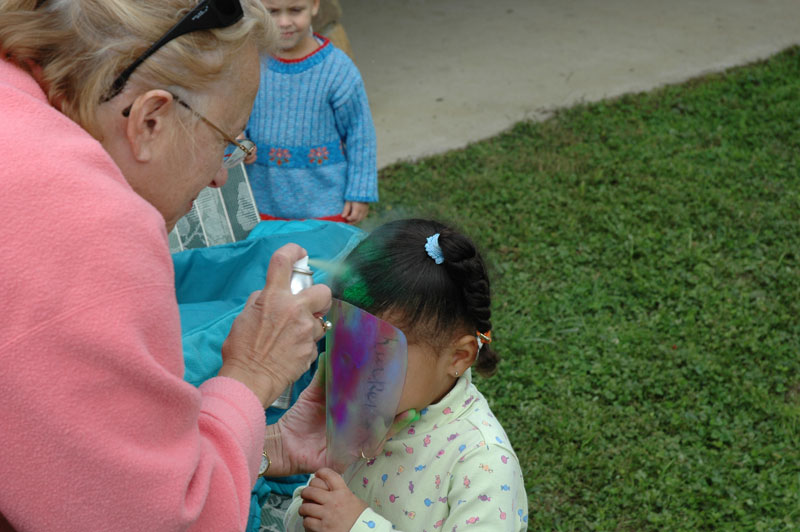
[312, 127]
[454, 466]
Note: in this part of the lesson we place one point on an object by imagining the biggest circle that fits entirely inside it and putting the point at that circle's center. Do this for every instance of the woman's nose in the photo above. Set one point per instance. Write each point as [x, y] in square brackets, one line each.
[221, 178]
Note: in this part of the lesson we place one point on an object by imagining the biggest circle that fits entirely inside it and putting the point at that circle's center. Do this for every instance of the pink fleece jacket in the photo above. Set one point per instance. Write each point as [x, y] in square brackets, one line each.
[98, 431]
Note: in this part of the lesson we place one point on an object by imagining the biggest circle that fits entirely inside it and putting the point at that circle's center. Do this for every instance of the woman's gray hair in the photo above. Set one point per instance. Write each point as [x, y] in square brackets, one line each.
[78, 47]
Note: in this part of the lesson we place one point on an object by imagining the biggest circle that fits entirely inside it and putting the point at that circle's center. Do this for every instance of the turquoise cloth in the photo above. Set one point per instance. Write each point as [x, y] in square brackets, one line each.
[212, 285]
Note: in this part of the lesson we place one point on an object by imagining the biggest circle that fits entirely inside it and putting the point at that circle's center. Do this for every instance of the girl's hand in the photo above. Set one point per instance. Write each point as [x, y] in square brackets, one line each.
[332, 507]
[250, 159]
[274, 339]
[355, 211]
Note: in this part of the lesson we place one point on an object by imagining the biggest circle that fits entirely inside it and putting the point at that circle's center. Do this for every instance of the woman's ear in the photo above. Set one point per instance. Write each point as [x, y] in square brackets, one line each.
[147, 119]
[463, 352]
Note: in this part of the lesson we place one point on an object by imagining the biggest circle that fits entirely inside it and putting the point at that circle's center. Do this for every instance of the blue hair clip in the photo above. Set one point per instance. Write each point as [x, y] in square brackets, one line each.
[433, 249]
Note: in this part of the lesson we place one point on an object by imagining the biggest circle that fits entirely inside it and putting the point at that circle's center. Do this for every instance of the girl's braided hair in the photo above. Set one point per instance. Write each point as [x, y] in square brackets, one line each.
[391, 273]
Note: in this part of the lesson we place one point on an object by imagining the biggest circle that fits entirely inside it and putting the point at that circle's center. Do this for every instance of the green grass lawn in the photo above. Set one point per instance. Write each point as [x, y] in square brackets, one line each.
[645, 256]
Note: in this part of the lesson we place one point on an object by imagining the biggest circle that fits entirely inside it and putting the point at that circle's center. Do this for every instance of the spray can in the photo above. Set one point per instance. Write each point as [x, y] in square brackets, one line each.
[301, 278]
[301, 275]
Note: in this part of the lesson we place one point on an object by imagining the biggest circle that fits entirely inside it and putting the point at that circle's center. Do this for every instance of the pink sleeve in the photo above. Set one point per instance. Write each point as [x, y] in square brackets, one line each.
[98, 430]
[98, 435]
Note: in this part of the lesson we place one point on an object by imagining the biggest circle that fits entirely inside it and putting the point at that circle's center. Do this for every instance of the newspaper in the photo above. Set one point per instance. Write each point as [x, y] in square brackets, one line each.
[218, 216]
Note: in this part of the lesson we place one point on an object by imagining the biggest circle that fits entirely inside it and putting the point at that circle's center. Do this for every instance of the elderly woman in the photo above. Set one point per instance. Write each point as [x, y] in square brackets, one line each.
[114, 115]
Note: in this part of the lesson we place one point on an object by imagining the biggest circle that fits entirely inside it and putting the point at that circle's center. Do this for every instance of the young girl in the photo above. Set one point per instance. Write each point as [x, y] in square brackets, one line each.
[453, 467]
[312, 126]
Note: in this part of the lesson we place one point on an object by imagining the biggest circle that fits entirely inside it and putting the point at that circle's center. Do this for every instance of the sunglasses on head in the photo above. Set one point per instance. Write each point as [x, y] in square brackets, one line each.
[207, 15]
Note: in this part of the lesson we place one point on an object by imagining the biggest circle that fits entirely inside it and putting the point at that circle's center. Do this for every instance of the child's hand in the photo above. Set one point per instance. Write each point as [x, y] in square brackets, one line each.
[250, 159]
[328, 504]
[355, 211]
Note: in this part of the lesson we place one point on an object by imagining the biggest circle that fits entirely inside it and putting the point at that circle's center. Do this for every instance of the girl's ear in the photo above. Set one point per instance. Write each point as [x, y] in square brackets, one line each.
[314, 8]
[463, 352]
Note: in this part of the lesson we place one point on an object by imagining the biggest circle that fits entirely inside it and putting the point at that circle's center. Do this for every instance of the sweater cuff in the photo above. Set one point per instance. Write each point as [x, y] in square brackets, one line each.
[234, 403]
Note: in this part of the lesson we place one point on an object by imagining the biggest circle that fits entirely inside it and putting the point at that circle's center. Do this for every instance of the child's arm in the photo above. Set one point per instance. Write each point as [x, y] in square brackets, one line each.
[487, 492]
[357, 132]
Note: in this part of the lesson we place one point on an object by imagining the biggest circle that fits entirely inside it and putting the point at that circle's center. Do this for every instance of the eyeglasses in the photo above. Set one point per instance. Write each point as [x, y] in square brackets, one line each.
[235, 152]
[207, 15]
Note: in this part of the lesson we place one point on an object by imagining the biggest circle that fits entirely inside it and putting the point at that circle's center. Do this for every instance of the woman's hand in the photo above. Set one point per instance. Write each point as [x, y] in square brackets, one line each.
[328, 504]
[273, 340]
[296, 444]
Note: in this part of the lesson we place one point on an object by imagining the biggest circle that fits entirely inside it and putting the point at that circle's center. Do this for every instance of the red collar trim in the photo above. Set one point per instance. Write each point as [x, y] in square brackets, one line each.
[325, 42]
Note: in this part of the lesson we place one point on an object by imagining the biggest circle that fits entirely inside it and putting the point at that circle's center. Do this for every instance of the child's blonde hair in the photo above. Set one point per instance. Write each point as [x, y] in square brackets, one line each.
[81, 46]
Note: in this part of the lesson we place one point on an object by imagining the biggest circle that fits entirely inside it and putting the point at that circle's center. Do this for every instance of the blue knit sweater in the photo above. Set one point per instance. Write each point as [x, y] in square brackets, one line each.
[316, 141]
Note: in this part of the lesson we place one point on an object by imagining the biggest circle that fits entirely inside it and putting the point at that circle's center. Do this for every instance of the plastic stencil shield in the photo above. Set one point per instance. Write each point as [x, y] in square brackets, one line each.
[364, 376]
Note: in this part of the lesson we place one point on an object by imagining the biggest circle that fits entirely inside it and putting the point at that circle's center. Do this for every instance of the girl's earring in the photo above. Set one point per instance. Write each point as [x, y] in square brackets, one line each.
[456, 373]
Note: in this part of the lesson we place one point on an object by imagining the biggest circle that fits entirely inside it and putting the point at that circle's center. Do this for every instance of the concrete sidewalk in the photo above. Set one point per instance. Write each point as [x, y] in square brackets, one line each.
[443, 73]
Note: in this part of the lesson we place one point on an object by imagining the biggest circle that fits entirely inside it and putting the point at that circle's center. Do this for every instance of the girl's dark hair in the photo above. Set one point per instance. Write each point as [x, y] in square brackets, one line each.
[390, 272]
